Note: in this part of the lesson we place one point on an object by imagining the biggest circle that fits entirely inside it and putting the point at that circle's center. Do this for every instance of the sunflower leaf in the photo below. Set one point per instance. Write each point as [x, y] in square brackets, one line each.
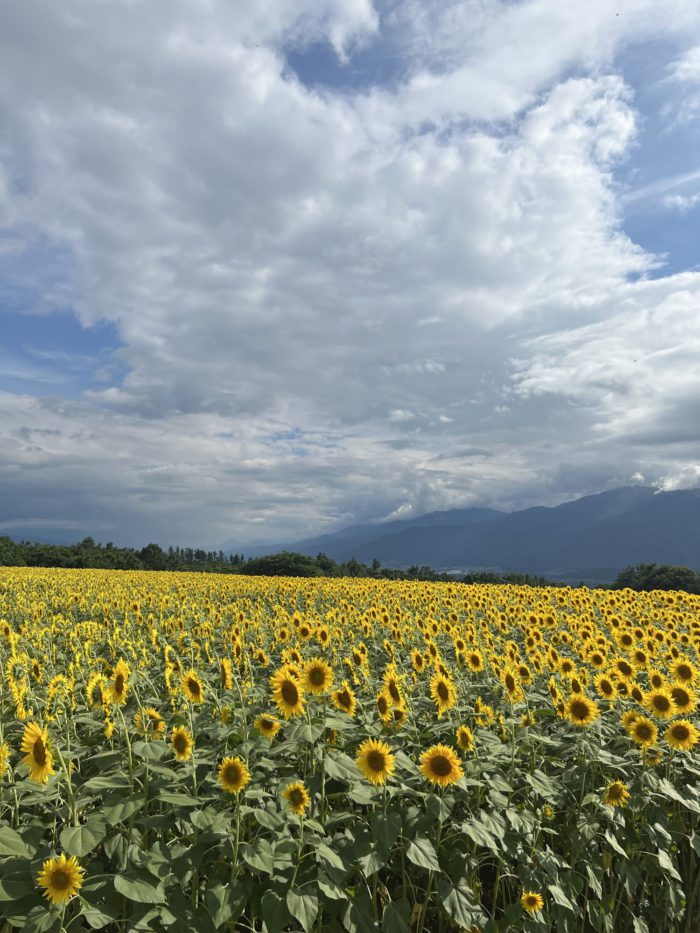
[422, 853]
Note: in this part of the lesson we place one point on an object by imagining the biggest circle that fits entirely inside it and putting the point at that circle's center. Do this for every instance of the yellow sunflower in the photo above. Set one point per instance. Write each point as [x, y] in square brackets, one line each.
[683, 671]
[605, 686]
[660, 703]
[465, 738]
[440, 765]
[181, 741]
[616, 794]
[684, 699]
[233, 775]
[581, 710]
[119, 686]
[37, 757]
[682, 735]
[192, 687]
[287, 693]
[643, 731]
[375, 761]
[4, 758]
[297, 797]
[61, 878]
[267, 726]
[226, 674]
[318, 676]
[443, 692]
[149, 723]
[475, 661]
[531, 901]
[344, 699]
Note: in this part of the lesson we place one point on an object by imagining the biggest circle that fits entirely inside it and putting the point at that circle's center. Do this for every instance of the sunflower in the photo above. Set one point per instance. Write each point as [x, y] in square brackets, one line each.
[149, 723]
[652, 756]
[465, 738]
[440, 765]
[181, 741]
[616, 794]
[643, 731]
[418, 661]
[226, 674]
[192, 687]
[531, 901]
[605, 686]
[119, 686]
[61, 878]
[233, 775]
[344, 699]
[682, 735]
[683, 672]
[318, 676]
[37, 756]
[443, 692]
[267, 726]
[475, 661]
[375, 761]
[297, 797]
[684, 699]
[581, 710]
[660, 703]
[383, 704]
[95, 691]
[4, 758]
[287, 693]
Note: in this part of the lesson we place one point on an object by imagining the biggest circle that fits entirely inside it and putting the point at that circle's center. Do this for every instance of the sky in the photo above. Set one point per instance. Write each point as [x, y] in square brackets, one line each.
[275, 267]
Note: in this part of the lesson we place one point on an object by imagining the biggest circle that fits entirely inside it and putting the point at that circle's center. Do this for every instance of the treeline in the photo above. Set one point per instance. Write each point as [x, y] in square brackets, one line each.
[658, 577]
[88, 554]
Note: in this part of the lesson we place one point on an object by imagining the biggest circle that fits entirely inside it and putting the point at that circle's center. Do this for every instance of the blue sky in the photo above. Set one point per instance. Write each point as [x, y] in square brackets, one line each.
[268, 269]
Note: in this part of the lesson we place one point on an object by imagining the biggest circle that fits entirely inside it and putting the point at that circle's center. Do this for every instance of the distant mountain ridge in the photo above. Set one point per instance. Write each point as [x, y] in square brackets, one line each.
[590, 539]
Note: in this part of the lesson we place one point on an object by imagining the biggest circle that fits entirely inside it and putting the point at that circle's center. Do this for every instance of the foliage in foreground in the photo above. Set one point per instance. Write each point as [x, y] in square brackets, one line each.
[189, 752]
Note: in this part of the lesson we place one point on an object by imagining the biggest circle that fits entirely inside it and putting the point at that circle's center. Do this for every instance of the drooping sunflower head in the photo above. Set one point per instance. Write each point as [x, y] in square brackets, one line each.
[61, 878]
[192, 687]
[233, 775]
[531, 901]
[267, 726]
[616, 794]
[581, 710]
[37, 756]
[318, 676]
[120, 683]
[297, 797]
[440, 765]
[149, 723]
[682, 735]
[182, 743]
[375, 760]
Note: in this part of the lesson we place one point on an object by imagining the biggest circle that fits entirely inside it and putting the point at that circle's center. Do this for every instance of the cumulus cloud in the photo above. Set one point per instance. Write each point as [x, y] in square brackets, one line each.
[320, 294]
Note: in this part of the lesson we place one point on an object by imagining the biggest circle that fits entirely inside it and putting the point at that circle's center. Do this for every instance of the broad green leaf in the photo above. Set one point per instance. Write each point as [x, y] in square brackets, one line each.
[121, 810]
[667, 865]
[476, 831]
[560, 897]
[80, 840]
[274, 912]
[386, 827]
[142, 888]
[260, 855]
[422, 852]
[396, 916]
[614, 844]
[458, 901]
[11, 843]
[303, 907]
[324, 853]
[543, 784]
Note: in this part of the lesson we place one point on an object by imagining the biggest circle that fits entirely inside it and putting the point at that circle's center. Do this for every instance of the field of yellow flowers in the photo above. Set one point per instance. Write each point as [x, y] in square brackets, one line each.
[192, 752]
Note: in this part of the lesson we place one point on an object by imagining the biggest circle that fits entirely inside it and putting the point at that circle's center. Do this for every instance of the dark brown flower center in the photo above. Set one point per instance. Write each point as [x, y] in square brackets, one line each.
[317, 676]
[442, 691]
[60, 879]
[441, 765]
[579, 710]
[296, 797]
[376, 760]
[119, 684]
[39, 752]
[290, 694]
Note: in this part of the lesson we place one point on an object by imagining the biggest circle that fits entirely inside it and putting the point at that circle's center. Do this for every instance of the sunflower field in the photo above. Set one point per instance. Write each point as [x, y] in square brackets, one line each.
[194, 752]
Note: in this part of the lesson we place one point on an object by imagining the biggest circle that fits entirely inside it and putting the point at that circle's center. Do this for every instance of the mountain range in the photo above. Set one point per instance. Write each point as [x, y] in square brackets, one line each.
[588, 539]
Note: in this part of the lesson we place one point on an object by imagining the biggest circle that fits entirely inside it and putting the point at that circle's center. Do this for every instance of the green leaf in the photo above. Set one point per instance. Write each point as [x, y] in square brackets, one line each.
[11, 843]
[667, 865]
[421, 852]
[386, 827]
[80, 840]
[481, 836]
[40, 920]
[260, 855]
[303, 907]
[614, 844]
[274, 912]
[639, 925]
[98, 915]
[396, 915]
[121, 810]
[15, 881]
[140, 887]
[178, 800]
[218, 904]
[560, 897]
[543, 785]
[458, 901]
[324, 853]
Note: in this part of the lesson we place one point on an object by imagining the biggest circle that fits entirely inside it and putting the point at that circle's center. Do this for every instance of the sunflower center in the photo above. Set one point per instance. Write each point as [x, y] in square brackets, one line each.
[684, 672]
[39, 752]
[119, 684]
[441, 765]
[442, 690]
[661, 703]
[290, 694]
[394, 692]
[579, 710]
[345, 699]
[680, 696]
[680, 733]
[317, 676]
[194, 686]
[382, 705]
[266, 723]
[615, 792]
[60, 879]
[296, 797]
[643, 731]
[180, 743]
[232, 774]
[376, 761]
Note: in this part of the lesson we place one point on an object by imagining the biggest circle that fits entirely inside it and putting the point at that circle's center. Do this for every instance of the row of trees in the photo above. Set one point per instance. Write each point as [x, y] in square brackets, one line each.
[658, 577]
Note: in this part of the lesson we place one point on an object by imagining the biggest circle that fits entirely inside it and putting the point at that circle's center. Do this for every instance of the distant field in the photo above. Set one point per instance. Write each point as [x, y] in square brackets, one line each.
[192, 752]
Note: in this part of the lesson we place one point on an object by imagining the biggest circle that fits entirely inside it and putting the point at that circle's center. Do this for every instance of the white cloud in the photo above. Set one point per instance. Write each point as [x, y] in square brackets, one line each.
[349, 272]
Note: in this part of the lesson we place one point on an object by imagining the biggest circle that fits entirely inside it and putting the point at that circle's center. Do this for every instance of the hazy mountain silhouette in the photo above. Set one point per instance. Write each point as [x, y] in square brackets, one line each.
[589, 539]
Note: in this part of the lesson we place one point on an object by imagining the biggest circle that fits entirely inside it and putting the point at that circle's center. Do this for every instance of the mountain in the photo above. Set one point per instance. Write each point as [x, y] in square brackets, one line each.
[590, 539]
